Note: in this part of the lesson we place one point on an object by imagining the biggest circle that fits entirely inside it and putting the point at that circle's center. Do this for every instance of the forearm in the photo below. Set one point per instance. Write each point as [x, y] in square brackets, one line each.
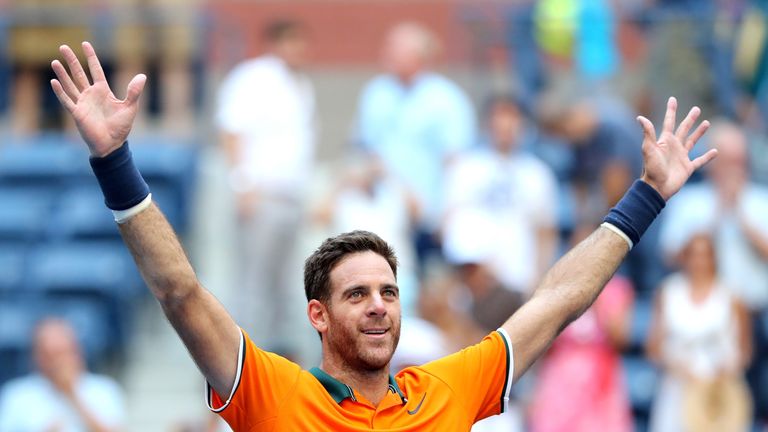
[205, 327]
[757, 240]
[159, 256]
[566, 291]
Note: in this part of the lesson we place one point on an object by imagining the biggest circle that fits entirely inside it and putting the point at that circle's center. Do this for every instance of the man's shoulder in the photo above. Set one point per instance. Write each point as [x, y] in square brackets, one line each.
[27, 387]
[256, 67]
[25, 382]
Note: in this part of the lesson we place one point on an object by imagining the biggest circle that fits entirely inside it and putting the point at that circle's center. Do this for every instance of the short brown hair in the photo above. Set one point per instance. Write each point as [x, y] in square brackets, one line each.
[318, 267]
[282, 29]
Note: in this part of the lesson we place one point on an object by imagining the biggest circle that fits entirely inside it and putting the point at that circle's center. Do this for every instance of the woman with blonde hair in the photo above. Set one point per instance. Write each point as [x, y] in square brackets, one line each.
[700, 338]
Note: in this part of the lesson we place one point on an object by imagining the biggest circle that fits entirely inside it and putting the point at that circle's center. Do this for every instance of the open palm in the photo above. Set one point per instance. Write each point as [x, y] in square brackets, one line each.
[667, 165]
[103, 120]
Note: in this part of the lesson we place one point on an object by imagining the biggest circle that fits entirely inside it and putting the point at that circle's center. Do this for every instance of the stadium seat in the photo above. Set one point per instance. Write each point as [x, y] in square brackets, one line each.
[82, 215]
[84, 267]
[103, 273]
[24, 214]
[17, 320]
[12, 270]
[169, 168]
[41, 164]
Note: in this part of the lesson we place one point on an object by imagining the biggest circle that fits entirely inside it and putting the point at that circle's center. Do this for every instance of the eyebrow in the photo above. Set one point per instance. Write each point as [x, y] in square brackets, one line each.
[353, 288]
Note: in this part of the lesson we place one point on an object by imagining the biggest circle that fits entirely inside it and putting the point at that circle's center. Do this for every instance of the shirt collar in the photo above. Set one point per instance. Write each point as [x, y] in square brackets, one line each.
[340, 391]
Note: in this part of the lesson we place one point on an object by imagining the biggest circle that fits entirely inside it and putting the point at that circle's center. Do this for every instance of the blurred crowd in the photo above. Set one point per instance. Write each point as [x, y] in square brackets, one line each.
[481, 193]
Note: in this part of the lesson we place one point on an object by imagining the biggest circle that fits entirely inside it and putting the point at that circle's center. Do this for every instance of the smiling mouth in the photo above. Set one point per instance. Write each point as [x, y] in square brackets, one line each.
[375, 332]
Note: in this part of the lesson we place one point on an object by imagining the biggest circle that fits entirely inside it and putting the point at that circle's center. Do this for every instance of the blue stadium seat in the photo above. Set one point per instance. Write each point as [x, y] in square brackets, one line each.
[24, 214]
[169, 168]
[82, 215]
[12, 268]
[641, 378]
[17, 320]
[84, 267]
[41, 164]
[103, 273]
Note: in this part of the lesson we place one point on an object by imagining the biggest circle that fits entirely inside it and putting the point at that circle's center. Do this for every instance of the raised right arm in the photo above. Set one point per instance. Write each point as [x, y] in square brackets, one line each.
[205, 327]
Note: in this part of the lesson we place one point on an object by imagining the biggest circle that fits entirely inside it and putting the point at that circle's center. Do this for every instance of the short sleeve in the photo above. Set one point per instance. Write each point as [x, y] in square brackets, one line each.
[263, 381]
[480, 375]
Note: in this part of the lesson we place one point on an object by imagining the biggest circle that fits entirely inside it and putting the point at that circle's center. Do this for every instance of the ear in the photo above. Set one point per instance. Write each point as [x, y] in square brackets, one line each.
[318, 315]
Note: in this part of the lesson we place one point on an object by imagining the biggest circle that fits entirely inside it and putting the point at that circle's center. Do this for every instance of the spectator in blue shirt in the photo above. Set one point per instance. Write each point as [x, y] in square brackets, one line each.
[414, 120]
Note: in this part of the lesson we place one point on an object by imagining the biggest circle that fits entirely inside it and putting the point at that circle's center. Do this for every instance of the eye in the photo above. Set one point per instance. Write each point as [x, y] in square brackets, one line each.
[356, 294]
[390, 292]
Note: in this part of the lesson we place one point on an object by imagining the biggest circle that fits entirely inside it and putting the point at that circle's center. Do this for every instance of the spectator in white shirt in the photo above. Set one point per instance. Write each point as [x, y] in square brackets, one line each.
[511, 193]
[62, 396]
[266, 114]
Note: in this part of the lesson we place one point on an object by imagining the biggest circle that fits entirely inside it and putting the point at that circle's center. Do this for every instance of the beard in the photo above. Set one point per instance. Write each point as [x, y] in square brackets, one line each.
[358, 353]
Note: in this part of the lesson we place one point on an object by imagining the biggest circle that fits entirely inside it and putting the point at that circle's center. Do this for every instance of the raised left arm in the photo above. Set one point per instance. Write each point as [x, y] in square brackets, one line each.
[575, 281]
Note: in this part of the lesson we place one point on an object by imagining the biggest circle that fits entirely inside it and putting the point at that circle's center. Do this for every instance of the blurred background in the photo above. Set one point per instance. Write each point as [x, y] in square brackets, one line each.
[481, 138]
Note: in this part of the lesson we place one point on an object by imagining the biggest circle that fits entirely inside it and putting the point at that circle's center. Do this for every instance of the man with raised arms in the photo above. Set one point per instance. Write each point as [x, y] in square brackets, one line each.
[353, 298]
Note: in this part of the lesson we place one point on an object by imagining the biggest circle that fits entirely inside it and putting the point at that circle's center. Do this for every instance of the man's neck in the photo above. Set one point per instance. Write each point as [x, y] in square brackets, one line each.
[372, 385]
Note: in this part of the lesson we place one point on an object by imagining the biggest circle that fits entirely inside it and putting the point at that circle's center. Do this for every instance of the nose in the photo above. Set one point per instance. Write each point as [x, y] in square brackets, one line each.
[376, 305]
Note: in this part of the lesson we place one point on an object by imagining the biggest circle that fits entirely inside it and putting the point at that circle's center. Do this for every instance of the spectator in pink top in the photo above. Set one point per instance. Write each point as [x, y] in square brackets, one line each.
[580, 384]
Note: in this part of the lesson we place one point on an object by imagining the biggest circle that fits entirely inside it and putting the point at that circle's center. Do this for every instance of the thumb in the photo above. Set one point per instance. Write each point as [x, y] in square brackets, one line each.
[135, 87]
[649, 132]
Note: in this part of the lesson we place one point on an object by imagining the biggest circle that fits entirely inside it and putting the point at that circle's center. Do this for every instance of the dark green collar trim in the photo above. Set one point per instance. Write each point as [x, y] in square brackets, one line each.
[340, 391]
[396, 389]
[337, 389]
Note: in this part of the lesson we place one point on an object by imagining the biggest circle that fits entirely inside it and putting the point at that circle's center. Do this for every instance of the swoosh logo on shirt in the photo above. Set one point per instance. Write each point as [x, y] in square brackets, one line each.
[418, 407]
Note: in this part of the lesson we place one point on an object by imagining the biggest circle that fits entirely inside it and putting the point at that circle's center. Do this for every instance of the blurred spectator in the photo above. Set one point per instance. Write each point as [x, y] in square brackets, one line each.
[691, 54]
[579, 32]
[62, 395]
[601, 135]
[580, 382]
[36, 31]
[750, 61]
[700, 337]
[266, 114]
[161, 33]
[415, 121]
[467, 308]
[368, 198]
[506, 195]
[735, 208]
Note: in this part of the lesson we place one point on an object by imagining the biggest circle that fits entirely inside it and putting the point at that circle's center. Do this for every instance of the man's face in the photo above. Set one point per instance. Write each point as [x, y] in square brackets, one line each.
[56, 351]
[402, 54]
[293, 49]
[364, 312]
[505, 124]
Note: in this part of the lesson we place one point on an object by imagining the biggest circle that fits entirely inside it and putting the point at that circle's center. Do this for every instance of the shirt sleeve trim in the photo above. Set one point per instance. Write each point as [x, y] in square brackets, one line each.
[235, 386]
[509, 371]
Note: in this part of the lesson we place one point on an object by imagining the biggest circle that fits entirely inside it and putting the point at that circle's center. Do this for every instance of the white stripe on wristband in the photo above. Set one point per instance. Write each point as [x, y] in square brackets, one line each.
[122, 216]
[619, 232]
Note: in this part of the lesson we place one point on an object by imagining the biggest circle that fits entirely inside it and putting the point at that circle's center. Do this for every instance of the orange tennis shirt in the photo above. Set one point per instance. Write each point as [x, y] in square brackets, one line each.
[272, 393]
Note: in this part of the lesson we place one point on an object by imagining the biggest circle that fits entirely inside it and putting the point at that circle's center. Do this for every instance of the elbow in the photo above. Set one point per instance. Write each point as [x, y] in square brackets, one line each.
[172, 292]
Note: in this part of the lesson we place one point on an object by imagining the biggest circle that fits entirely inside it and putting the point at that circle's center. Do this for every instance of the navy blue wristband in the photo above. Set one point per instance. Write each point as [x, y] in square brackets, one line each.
[635, 212]
[121, 183]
